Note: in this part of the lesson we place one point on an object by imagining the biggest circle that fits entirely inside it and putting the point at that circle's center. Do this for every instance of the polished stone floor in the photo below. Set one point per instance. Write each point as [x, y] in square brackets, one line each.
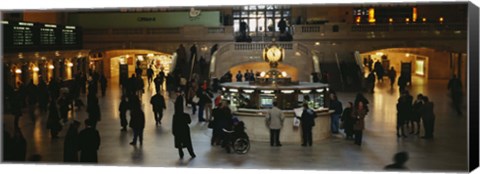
[447, 152]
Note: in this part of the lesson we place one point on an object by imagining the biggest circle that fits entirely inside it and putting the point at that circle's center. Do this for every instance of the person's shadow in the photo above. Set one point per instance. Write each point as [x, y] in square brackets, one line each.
[185, 162]
[137, 155]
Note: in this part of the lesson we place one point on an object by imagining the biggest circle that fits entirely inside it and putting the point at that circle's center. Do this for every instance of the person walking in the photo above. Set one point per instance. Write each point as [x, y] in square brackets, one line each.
[89, 143]
[428, 118]
[202, 103]
[123, 108]
[307, 122]
[149, 75]
[70, 145]
[358, 115]
[337, 107]
[180, 129]
[158, 105]
[348, 121]
[392, 74]
[158, 83]
[53, 121]
[93, 109]
[378, 68]
[103, 84]
[137, 121]
[274, 121]
[402, 83]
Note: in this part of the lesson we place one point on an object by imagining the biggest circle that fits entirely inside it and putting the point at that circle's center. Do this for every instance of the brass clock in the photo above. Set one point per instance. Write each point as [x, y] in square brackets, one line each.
[273, 53]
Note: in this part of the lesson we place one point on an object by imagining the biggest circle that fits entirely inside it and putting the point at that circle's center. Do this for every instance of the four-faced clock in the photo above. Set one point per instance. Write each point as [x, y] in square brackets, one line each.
[274, 54]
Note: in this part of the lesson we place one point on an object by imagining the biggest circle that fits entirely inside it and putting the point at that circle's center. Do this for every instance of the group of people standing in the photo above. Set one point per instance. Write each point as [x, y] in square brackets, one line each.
[247, 76]
[411, 113]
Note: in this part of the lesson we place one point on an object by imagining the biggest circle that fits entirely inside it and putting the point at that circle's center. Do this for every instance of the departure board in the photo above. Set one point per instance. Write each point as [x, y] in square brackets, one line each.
[26, 36]
[23, 34]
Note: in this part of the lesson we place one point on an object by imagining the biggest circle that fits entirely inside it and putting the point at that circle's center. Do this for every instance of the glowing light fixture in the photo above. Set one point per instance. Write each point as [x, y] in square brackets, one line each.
[140, 57]
[267, 91]
[440, 19]
[150, 55]
[414, 14]
[317, 43]
[379, 53]
[18, 71]
[424, 19]
[319, 90]
[407, 20]
[371, 15]
[36, 69]
[284, 74]
[305, 91]
[287, 91]
[262, 74]
[70, 64]
[233, 90]
[407, 55]
[248, 91]
[358, 19]
[51, 67]
[390, 20]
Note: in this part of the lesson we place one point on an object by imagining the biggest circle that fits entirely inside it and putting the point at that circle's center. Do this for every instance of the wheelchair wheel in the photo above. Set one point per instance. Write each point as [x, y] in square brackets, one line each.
[241, 145]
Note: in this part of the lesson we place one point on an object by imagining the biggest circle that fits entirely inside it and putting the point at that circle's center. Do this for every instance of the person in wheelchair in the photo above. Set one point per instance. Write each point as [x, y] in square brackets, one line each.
[236, 138]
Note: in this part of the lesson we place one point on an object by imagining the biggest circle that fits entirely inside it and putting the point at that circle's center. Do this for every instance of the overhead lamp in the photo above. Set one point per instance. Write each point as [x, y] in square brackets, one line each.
[305, 91]
[390, 20]
[233, 90]
[36, 69]
[150, 55]
[407, 55]
[18, 71]
[424, 19]
[284, 74]
[267, 91]
[248, 91]
[51, 67]
[57, 53]
[319, 90]
[70, 64]
[440, 19]
[287, 91]
[407, 20]
[317, 43]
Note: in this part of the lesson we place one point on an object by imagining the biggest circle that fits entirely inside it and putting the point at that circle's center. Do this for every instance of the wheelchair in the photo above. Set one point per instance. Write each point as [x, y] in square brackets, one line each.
[238, 139]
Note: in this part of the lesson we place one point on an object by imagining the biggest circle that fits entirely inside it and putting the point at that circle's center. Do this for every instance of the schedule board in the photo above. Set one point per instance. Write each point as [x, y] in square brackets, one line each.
[27, 36]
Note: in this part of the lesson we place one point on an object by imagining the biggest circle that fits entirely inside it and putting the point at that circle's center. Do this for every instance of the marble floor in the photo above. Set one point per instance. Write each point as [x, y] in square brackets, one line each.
[447, 152]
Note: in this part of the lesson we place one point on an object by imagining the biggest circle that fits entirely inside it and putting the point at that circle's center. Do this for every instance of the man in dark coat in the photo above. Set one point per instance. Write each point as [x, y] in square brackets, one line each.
[379, 71]
[402, 115]
[416, 114]
[392, 74]
[53, 89]
[180, 129]
[335, 116]
[70, 145]
[239, 76]
[137, 121]
[32, 98]
[402, 83]
[149, 75]
[307, 121]
[428, 118]
[94, 113]
[89, 142]
[124, 106]
[158, 83]
[348, 121]
[371, 82]
[43, 95]
[158, 105]
[103, 84]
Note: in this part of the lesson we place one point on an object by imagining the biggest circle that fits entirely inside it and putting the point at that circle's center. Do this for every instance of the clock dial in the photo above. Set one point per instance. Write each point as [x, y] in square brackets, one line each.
[274, 54]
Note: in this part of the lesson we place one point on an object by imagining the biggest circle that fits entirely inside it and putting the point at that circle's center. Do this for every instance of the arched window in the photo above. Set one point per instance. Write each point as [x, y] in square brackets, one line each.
[261, 18]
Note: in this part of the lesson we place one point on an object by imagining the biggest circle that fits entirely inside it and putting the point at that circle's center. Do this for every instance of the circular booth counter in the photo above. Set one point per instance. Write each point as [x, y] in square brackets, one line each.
[258, 131]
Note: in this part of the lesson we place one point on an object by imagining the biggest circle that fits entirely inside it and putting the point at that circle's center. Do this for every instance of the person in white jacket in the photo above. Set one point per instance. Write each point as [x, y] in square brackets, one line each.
[274, 120]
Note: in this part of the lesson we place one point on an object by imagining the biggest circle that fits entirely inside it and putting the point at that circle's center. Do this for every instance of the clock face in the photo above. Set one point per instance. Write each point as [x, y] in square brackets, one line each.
[274, 54]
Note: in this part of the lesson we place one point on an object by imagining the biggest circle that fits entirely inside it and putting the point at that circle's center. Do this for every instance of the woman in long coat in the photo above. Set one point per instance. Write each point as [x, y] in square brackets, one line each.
[358, 115]
[53, 121]
[180, 129]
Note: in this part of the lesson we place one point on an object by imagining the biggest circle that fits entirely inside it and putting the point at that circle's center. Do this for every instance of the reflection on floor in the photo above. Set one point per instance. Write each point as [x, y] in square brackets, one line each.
[447, 152]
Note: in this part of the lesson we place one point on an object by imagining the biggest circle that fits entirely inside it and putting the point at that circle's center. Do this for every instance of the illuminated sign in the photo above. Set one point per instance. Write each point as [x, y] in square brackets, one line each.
[305, 91]
[267, 91]
[248, 91]
[287, 91]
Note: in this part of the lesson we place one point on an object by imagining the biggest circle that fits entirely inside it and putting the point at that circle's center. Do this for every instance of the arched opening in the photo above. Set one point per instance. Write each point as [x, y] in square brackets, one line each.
[264, 67]
[422, 64]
